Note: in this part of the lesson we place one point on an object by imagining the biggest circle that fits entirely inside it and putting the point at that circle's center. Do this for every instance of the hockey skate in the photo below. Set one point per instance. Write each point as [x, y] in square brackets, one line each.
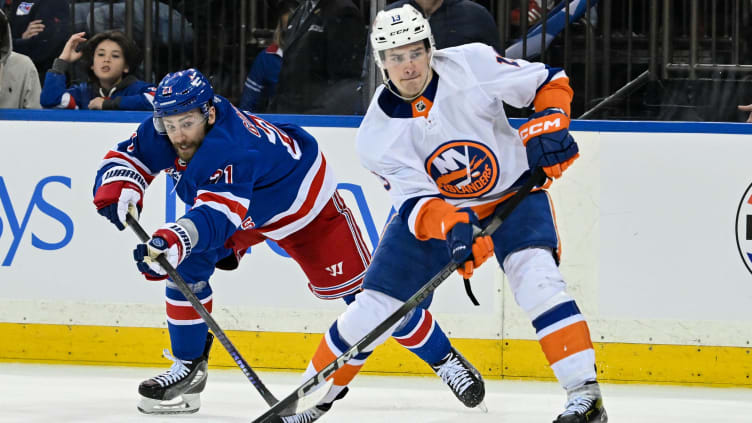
[584, 405]
[177, 390]
[310, 414]
[464, 380]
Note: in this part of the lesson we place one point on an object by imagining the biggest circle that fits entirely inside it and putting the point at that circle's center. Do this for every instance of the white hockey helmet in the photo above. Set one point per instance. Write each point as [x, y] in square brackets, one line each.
[398, 27]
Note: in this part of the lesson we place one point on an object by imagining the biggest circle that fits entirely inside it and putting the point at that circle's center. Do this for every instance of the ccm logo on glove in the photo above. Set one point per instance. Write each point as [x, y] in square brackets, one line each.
[542, 125]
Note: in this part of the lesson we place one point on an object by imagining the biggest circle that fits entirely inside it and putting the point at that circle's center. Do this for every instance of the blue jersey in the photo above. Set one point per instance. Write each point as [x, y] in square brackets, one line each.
[247, 174]
[128, 94]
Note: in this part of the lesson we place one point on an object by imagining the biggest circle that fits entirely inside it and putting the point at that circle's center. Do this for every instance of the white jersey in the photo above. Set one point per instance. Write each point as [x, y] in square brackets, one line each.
[454, 142]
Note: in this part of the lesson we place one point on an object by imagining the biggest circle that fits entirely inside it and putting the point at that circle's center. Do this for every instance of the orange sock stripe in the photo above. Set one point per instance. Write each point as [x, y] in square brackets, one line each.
[345, 374]
[324, 355]
[566, 341]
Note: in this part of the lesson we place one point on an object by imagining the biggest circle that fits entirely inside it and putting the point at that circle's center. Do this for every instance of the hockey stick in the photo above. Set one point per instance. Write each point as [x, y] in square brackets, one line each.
[218, 332]
[537, 177]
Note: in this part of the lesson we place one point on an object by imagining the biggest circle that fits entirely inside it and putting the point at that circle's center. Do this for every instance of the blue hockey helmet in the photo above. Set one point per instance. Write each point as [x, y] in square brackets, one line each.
[180, 92]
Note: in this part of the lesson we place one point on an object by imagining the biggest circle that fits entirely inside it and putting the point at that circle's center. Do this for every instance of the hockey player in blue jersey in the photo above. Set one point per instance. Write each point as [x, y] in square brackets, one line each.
[247, 180]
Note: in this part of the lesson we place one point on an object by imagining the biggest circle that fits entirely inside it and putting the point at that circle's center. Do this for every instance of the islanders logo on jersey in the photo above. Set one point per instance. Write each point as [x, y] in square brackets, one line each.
[744, 228]
[463, 169]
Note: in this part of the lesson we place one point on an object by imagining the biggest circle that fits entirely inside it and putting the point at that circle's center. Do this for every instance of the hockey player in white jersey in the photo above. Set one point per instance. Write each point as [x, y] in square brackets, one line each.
[437, 134]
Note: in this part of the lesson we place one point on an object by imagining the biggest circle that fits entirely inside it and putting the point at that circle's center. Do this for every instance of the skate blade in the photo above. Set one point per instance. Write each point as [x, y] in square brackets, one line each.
[184, 404]
[482, 407]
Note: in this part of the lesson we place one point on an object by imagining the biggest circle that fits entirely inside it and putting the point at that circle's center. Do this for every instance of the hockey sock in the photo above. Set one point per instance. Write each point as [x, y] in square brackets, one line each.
[331, 347]
[565, 339]
[423, 337]
[187, 328]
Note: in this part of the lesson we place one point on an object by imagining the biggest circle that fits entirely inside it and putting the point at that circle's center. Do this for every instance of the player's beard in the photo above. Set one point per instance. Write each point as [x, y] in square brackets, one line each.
[187, 155]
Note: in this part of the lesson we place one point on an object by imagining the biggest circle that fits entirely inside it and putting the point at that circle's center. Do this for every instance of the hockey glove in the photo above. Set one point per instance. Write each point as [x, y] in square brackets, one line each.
[173, 241]
[548, 142]
[465, 248]
[122, 191]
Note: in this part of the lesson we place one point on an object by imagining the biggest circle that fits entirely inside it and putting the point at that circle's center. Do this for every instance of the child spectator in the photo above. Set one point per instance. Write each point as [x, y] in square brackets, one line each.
[108, 58]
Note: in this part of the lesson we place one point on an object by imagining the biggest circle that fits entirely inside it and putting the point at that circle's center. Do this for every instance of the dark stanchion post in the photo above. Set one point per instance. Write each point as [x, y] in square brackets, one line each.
[606, 76]
[243, 34]
[567, 39]
[129, 18]
[147, 41]
[169, 35]
[92, 30]
[653, 42]
[713, 30]
[589, 55]
[523, 26]
[209, 36]
[544, 5]
[736, 39]
[693, 28]
[666, 38]
[502, 22]
[156, 41]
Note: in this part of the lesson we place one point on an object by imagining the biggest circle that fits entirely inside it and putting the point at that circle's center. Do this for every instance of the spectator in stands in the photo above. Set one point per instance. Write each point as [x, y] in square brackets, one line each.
[324, 47]
[39, 28]
[108, 58]
[19, 81]
[160, 14]
[747, 108]
[262, 79]
[457, 22]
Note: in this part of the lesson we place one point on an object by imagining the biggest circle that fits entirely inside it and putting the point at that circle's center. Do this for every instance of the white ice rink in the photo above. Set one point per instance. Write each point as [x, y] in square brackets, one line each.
[50, 393]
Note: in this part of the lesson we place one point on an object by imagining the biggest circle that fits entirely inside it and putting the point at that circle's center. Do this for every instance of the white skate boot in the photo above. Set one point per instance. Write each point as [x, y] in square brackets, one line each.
[584, 405]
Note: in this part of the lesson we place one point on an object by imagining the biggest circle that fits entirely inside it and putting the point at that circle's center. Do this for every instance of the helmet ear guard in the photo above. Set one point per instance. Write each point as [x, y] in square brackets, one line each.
[398, 27]
[180, 92]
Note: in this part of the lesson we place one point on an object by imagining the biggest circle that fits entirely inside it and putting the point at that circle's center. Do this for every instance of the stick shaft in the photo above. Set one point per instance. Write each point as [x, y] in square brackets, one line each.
[204, 313]
[536, 178]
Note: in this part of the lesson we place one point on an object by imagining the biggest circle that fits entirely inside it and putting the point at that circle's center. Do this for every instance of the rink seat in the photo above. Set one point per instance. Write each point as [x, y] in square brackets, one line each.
[655, 220]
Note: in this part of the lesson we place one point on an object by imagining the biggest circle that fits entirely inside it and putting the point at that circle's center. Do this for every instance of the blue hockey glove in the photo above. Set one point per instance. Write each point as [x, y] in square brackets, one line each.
[548, 142]
[173, 241]
[465, 248]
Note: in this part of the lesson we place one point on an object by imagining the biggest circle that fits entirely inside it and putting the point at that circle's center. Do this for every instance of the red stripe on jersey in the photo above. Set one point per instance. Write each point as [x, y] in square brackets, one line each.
[114, 154]
[177, 312]
[234, 206]
[420, 334]
[313, 193]
[353, 286]
[71, 102]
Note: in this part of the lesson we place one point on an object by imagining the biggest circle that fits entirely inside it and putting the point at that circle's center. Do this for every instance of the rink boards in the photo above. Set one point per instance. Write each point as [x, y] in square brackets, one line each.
[655, 221]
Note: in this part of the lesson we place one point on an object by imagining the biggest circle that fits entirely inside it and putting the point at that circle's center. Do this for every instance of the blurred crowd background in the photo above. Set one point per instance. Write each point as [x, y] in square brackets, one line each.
[627, 60]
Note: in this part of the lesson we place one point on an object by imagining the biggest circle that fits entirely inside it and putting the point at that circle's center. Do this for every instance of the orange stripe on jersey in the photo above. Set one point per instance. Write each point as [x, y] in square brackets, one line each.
[556, 93]
[324, 355]
[566, 341]
[421, 106]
